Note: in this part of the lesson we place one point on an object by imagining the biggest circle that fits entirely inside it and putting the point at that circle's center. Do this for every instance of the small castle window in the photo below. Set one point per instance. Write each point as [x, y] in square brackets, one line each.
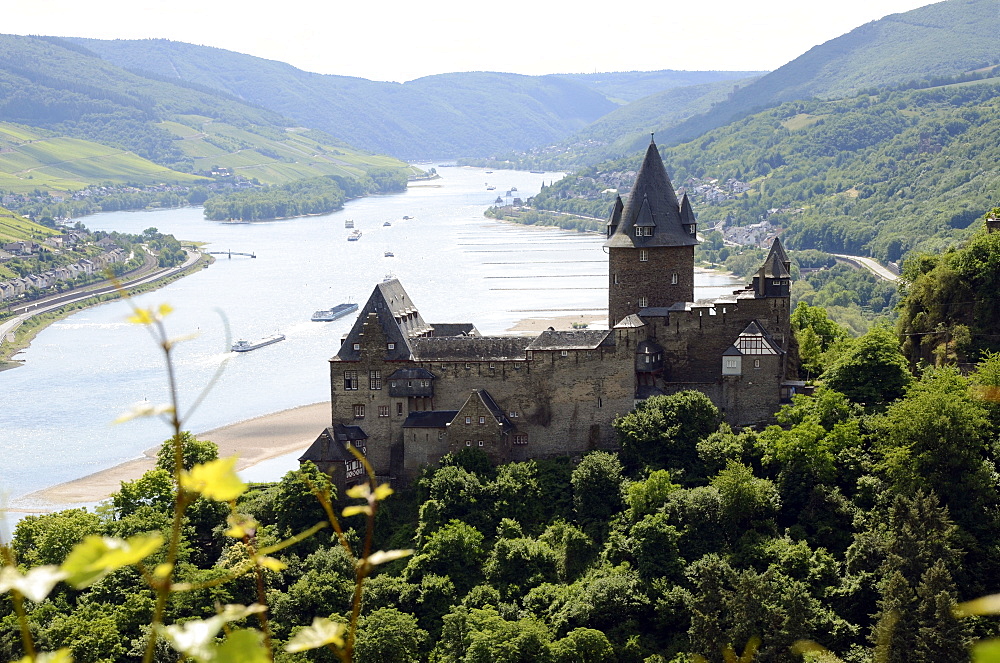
[383, 410]
[482, 420]
[392, 383]
[564, 353]
[399, 408]
[673, 279]
[374, 380]
[468, 443]
[481, 443]
[392, 346]
[643, 255]
[520, 439]
[359, 411]
[513, 414]
[730, 363]
[468, 420]
[350, 380]
[492, 366]
[615, 278]
[357, 346]
[529, 354]
[756, 363]
[643, 301]
[467, 365]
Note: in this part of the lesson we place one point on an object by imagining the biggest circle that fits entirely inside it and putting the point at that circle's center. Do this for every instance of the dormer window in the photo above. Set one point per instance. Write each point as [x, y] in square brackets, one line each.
[357, 346]
[392, 346]
[644, 231]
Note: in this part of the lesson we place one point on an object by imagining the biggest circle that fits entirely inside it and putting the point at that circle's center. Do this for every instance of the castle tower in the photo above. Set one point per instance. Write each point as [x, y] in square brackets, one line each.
[650, 245]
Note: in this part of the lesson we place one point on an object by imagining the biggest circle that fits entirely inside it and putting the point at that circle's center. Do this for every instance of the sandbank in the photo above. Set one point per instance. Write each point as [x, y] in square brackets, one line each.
[253, 441]
[560, 323]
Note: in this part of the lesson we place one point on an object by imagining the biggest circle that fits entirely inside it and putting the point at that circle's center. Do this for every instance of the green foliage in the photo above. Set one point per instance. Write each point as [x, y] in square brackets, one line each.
[820, 339]
[663, 431]
[597, 489]
[193, 452]
[952, 306]
[872, 370]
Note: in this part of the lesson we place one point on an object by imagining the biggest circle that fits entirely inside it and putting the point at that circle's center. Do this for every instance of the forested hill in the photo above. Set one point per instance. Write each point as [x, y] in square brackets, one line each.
[942, 39]
[879, 175]
[938, 41]
[447, 115]
[72, 119]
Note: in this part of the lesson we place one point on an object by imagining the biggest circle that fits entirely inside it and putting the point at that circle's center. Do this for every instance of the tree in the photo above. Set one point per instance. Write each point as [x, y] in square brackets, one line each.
[583, 645]
[389, 636]
[663, 431]
[872, 371]
[194, 452]
[817, 335]
[597, 482]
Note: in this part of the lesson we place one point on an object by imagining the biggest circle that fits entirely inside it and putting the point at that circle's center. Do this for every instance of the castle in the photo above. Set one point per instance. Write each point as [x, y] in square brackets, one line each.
[407, 392]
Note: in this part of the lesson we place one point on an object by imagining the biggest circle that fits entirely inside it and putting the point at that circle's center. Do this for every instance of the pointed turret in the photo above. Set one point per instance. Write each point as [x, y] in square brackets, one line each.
[384, 326]
[615, 217]
[650, 245]
[652, 215]
[773, 279]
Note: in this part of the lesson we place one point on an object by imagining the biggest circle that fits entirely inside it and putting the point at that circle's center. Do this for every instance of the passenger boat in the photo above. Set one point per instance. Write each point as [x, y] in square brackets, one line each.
[387, 223]
[389, 254]
[349, 223]
[406, 217]
[354, 236]
[338, 311]
[247, 346]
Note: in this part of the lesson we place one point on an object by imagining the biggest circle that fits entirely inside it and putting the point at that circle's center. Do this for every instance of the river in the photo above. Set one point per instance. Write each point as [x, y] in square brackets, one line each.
[458, 266]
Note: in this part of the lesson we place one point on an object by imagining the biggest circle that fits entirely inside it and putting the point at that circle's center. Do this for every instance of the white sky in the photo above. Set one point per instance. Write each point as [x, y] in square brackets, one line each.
[391, 40]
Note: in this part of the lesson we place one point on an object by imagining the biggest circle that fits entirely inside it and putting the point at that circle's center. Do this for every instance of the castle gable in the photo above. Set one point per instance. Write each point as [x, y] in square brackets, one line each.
[391, 309]
[755, 341]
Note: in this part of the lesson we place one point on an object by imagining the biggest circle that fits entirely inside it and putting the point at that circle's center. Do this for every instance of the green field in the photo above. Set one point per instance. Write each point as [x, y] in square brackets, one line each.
[34, 159]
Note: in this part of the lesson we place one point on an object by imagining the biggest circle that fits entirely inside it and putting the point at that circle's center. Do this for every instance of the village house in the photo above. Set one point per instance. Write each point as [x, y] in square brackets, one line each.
[414, 391]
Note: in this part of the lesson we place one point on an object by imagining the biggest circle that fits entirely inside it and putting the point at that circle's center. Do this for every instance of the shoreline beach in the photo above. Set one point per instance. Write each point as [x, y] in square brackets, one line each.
[253, 440]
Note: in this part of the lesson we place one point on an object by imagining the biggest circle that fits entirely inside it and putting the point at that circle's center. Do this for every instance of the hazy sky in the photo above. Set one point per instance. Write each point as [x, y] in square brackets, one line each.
[400, 41]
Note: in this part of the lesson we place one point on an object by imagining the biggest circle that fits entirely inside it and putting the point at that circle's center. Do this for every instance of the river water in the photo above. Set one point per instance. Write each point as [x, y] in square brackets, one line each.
[458, 266]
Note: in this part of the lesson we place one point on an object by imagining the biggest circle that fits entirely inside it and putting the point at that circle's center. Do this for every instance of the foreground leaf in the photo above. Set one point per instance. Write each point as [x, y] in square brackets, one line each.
[320, 633]
[96, 556]
[61, 656]
[197, 638]
[216, 480]
[35, 584]
[986, 651]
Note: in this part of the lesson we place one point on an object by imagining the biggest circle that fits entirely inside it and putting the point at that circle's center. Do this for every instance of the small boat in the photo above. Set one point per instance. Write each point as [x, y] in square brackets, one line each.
[354, 236]
[386, 224]
[513, 188]
[335, 313]
[349, 223]
[537, 172]
[247, 346]
[489, 172]
[389, 254]
[491, 188]
[407, 218]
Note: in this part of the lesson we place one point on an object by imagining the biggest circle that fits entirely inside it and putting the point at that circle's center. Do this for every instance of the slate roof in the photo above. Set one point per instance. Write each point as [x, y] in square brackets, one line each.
[468, 348]
[615, 216]
[412, 374]
[454, 329]
[774, 266]
[330, 445]
[631, 320]
[395, 313]
[430, 419]
[576, 339]
[652, 203]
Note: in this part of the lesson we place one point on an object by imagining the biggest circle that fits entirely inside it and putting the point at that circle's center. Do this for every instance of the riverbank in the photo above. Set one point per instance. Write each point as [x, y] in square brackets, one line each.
[33, 324]
[253, 441]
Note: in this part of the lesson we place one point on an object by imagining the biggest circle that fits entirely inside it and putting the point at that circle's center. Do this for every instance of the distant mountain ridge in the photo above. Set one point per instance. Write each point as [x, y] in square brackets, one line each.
[440, 116]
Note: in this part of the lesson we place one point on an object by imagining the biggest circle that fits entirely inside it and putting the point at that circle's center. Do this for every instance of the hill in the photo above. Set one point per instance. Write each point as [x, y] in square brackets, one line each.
[14, 228]
[73, 119]
[942, 39]
[439, 116]
[879, 175]
[628, 86]
[937, 41]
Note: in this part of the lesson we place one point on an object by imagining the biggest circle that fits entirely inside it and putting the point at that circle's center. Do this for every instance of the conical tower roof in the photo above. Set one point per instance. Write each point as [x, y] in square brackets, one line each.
[652, 205]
